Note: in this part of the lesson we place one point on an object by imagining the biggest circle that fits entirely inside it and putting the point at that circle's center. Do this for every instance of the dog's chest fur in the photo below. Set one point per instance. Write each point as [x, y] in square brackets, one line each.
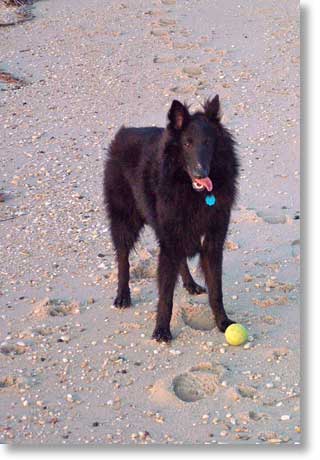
[185, 216]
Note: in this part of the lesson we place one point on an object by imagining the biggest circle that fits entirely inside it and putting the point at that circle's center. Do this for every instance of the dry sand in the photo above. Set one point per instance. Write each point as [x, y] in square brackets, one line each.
[73, 369]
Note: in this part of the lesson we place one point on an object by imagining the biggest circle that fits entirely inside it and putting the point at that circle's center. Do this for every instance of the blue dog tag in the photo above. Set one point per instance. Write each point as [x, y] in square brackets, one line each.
[210, 200]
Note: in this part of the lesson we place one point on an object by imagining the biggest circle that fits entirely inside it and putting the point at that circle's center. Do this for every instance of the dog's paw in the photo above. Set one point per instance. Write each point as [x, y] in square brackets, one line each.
[195, 289]
[224, 324]
[123, 300]
[162, 334]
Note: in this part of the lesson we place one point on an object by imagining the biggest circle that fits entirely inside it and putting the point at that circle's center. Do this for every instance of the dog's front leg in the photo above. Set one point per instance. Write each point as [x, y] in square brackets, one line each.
[168, 269]
[211, 263]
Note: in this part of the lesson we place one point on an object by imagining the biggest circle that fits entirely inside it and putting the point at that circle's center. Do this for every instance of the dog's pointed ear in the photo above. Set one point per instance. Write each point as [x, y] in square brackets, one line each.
[212, 109]
[178, 115]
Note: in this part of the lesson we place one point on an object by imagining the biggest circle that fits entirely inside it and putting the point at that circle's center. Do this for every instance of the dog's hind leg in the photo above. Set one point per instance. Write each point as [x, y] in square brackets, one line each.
[125, 223]
[123, 298]
[124, 236]
[188, 282]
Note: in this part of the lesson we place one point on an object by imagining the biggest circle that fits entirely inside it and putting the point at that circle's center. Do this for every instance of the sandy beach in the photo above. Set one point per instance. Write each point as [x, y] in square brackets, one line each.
[73, 369]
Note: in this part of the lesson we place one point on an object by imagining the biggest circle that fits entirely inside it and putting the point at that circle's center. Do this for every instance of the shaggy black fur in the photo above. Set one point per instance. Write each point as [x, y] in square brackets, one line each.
[150, 178]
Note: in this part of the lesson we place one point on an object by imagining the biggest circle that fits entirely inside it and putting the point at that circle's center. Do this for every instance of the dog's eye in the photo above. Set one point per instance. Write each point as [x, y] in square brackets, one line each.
[188, 142]
[206, 142]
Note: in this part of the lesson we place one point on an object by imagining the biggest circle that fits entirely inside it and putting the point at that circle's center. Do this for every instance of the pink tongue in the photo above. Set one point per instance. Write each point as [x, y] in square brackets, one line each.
[205, 182]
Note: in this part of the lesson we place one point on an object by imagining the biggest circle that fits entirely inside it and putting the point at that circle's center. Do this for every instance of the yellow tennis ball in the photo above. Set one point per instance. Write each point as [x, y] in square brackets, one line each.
[236, 334]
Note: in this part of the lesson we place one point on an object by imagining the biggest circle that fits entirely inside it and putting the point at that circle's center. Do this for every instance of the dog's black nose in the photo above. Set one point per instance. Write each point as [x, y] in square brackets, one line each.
[200, 171]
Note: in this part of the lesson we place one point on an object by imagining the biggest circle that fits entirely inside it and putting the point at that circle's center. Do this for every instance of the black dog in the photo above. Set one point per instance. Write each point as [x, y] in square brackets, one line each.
[181, 180]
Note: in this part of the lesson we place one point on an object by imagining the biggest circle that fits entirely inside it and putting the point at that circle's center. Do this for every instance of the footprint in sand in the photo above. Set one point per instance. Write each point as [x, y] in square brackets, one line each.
[159, 32]
[144, 269]
[198, 317]
[183, 45]
[7, 381]
[273, 217]
[164, 59]
[165, 22]
[192, 71]
[55, 307]
[199, 382]
[183, 89]
[21, 382]
[16, 348]
[194, 385]
[43, 330]
[247, 392]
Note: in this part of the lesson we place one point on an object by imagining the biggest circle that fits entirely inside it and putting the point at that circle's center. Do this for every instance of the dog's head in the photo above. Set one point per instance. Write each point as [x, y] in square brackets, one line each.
[196, 136]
